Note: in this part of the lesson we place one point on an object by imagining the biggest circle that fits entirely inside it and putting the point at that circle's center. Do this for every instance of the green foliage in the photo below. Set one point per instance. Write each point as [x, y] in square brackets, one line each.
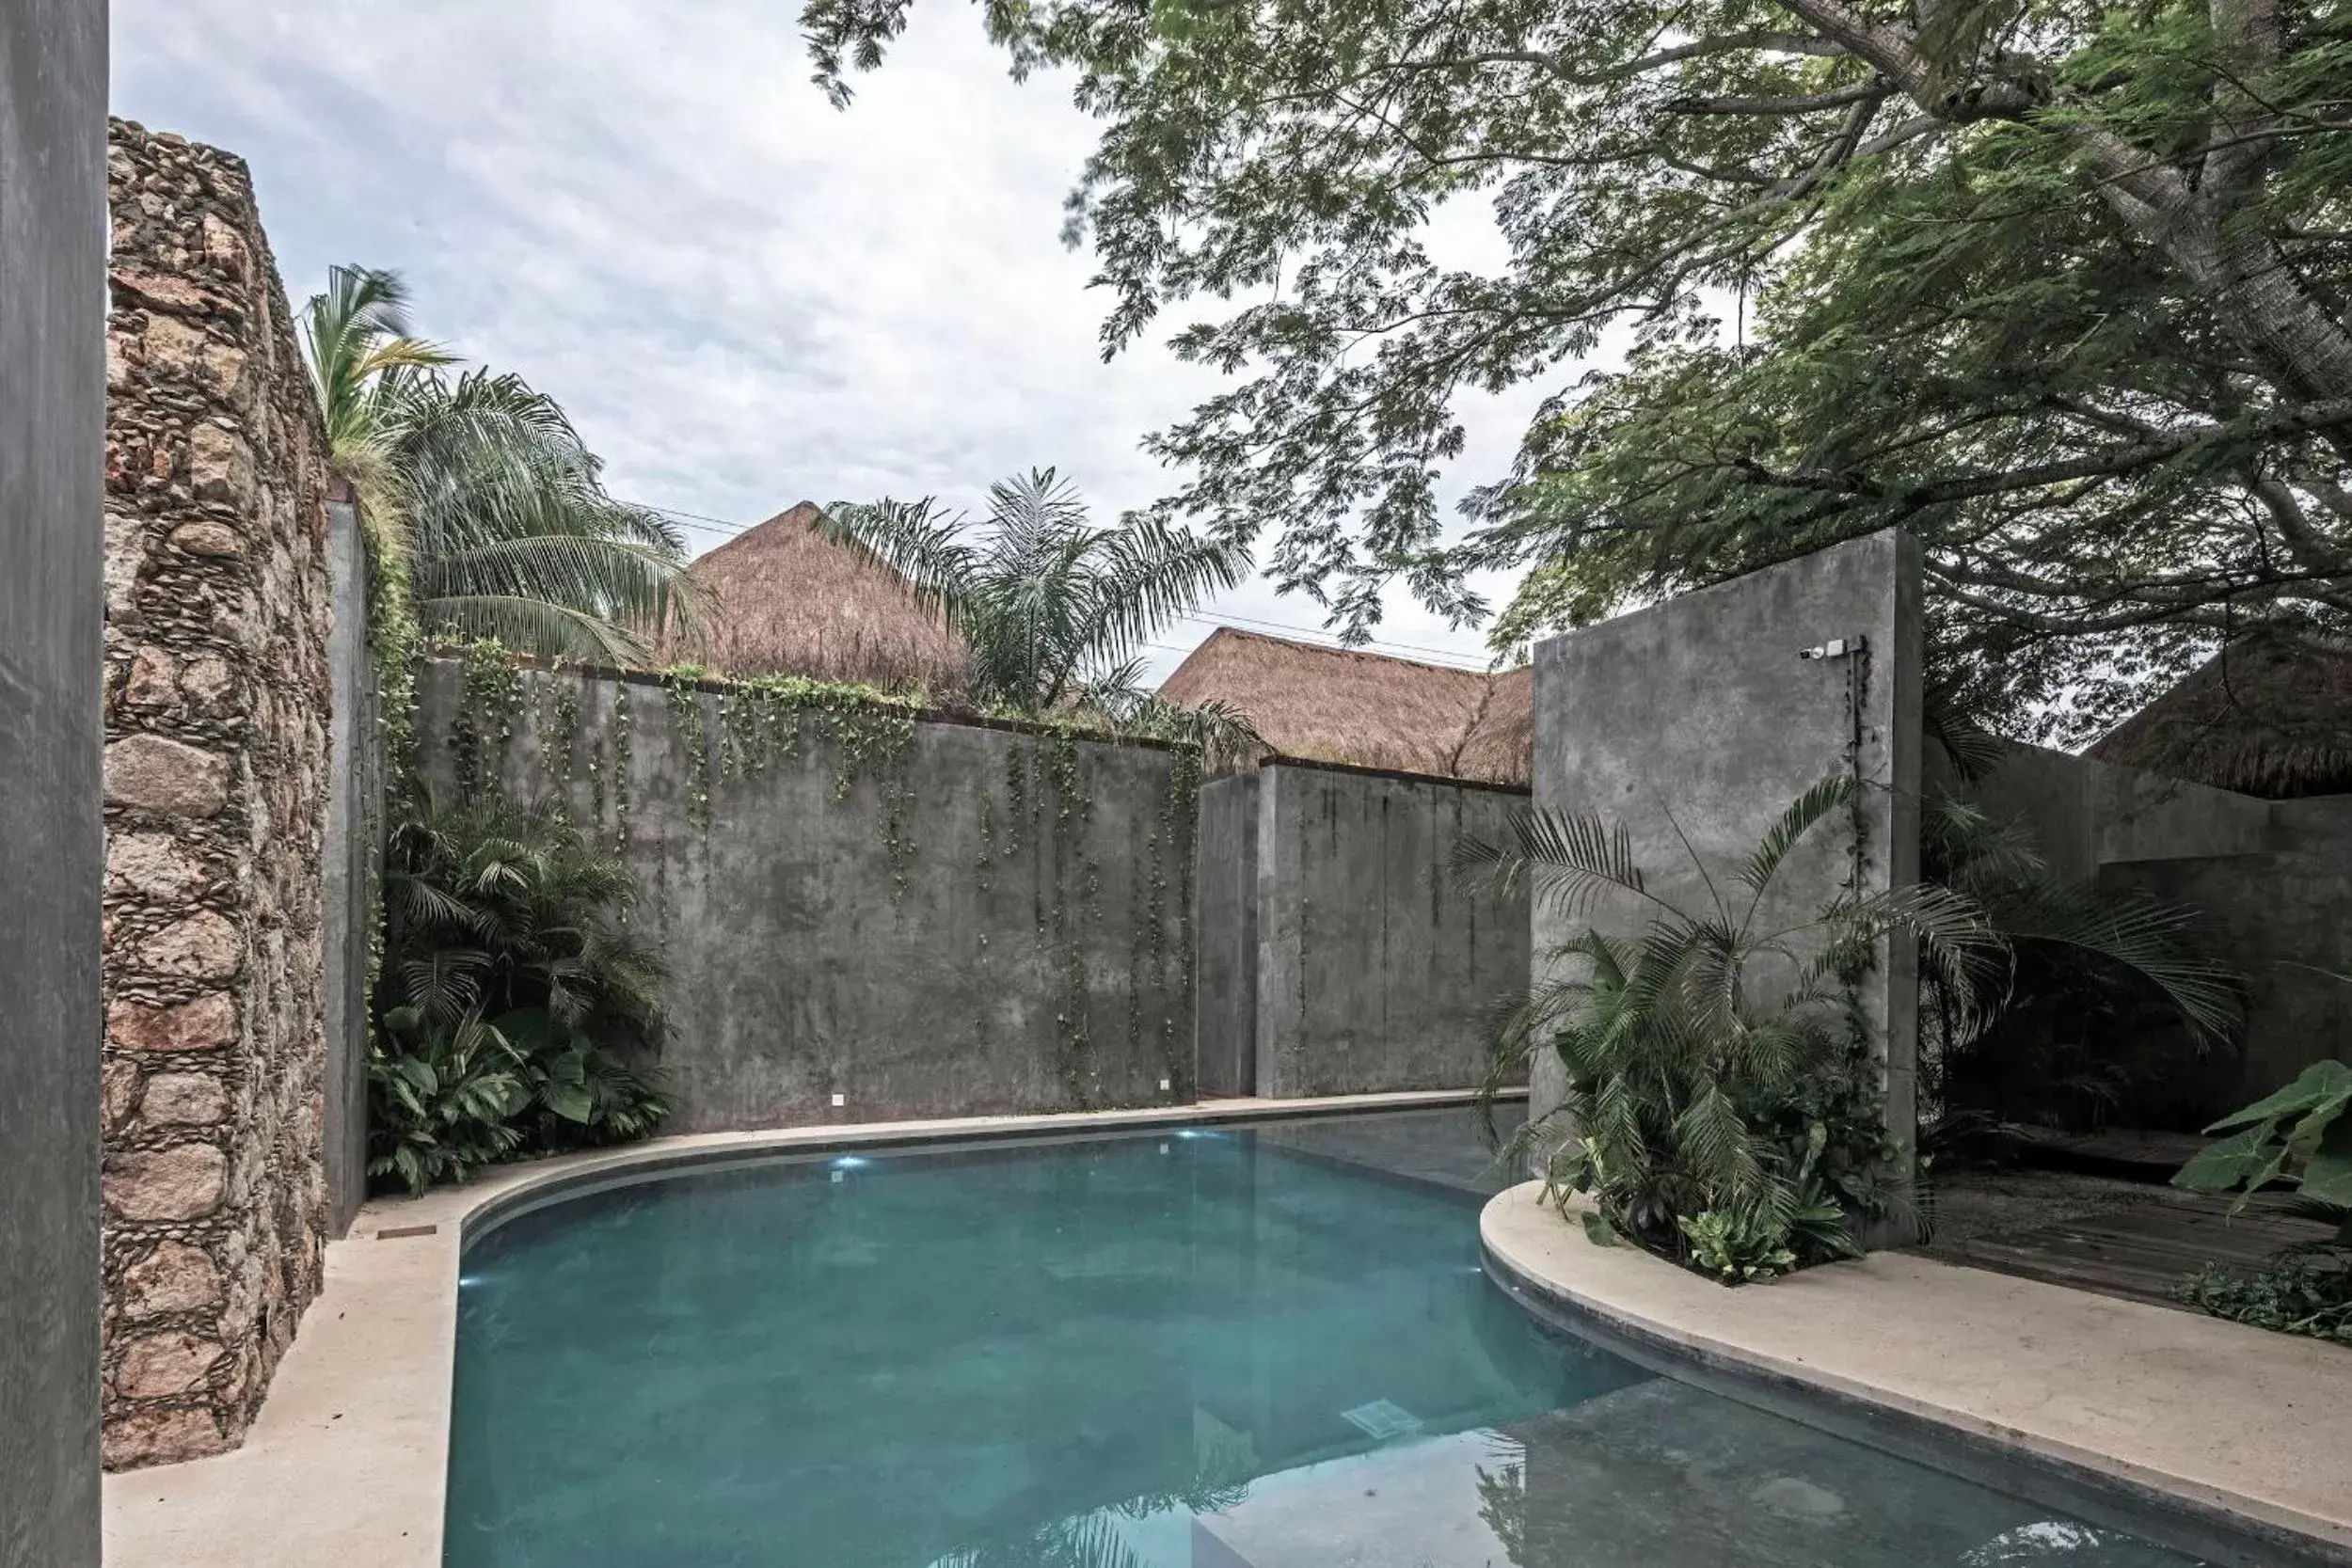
[1054, 608]
[2306, 1292]
[483, 492]
[2059, 287]
[2301, 1135]
[1737, 1246]
[2067, 1027]
[515, 1013]
[1720, 1091]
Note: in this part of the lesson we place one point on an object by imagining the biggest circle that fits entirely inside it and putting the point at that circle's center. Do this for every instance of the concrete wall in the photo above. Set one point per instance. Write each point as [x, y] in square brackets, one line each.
[53, 152]
[2083, 814]
[353, 855]
[925, 918]
[1695, 720]
[1355, 964]
[2271, 881]
[218, 766]
[1226, 919]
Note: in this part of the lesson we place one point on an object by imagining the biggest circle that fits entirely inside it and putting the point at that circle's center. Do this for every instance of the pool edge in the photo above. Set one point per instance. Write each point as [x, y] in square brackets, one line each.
[348, 1460]
[1779, 1346]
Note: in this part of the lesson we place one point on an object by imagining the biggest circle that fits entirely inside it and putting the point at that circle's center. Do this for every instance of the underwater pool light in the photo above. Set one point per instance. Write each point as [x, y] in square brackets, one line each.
[852, 1162]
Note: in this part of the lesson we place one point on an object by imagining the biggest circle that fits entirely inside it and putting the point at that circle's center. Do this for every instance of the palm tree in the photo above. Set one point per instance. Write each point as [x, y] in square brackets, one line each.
[1054, 608]
[482, 494]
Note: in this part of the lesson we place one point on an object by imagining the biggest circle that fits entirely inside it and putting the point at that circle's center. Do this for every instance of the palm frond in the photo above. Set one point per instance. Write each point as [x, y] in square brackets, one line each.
[2143, 936]
[1564, 860]
[1804, 813]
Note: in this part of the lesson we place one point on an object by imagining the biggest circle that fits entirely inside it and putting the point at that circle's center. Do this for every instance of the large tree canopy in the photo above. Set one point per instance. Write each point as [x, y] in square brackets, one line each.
[2058, 285]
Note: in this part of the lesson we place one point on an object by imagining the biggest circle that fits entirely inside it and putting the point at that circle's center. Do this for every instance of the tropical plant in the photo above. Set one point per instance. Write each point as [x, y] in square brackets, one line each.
[2063, 1033]
[1720, 1095]
[479, 493]
[2306, 1291]
[2301, 1136]
[515, 1012]
[2062, 287]
[1053, 607]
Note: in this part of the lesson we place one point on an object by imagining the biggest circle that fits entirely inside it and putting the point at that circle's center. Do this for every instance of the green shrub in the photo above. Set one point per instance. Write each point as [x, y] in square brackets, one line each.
[2306, 1290]
[1719, 1083]
[2301, 1136]
[515, 1013]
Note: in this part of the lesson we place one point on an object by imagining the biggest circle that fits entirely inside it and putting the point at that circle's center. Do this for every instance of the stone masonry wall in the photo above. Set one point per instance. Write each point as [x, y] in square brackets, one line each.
[217, 697]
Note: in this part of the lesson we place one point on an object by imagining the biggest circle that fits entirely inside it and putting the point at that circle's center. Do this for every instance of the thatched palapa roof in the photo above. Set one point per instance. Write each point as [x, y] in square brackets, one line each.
[2264, 719]
[787, 600]
[1338, 705]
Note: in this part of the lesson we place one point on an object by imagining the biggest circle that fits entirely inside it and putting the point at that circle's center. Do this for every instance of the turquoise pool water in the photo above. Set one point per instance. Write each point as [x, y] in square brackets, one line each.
[1196, 1350]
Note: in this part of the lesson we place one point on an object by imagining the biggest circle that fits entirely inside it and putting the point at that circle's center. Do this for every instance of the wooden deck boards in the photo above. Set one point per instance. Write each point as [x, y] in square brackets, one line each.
[2140, 1252]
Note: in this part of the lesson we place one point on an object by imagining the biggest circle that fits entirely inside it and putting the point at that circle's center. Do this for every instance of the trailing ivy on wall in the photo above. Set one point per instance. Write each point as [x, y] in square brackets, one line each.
[483, 729]
[736, 729]
[681, 689]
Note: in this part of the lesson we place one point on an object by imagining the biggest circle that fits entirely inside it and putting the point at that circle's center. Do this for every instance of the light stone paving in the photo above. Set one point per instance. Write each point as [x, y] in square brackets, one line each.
[2253, 1425]
[346, 1464]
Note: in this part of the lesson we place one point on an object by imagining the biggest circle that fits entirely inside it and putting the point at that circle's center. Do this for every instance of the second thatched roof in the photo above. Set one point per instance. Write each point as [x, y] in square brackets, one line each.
[2266, 719]
[1338, 705]
[787, 600]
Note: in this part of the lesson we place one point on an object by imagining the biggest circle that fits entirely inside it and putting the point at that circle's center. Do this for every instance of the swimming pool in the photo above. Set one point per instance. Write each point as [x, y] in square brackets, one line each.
[1191, 1349]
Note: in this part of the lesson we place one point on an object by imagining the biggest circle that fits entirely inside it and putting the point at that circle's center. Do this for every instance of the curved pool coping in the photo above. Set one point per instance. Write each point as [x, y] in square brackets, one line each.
[348, 1460]
[2218, 1437]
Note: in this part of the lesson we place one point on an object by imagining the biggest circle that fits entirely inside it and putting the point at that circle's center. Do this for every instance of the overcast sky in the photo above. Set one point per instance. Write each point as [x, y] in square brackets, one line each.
[744, 297]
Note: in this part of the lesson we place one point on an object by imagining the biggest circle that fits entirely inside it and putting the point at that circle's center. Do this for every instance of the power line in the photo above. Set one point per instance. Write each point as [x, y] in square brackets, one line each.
[1319, 636]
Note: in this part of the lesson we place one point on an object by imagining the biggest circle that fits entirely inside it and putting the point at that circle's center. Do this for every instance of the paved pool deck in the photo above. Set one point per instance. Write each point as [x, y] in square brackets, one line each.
[2245, 1427]
[346, 1466]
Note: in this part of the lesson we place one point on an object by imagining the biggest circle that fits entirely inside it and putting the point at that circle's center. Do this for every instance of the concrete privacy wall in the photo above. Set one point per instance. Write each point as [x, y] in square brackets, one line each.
[1338, 954]
[217, 770]
[352, 860]
[2271, 882]
[925, 918]
[1696, 722]
[2084, 814]
[52, 150]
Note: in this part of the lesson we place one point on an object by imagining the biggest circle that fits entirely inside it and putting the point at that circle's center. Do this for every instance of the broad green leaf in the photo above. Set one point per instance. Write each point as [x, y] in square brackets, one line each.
[2314, 1087]
[568, 1100]
[2328, 1177]
[2220, 1167]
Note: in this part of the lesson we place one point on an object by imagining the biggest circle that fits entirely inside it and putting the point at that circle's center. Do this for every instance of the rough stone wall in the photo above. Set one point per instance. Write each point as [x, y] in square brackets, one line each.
[216, 701]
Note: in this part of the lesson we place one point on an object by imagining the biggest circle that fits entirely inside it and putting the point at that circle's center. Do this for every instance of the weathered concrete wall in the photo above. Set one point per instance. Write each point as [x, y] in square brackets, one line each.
[53, 152]
[216, 701]
[2269, 879]
[1369, 967]
[924, 918]
[2279, 919]
[1226, 920]
[352, 854]
[2083, 814]
[1695, 721]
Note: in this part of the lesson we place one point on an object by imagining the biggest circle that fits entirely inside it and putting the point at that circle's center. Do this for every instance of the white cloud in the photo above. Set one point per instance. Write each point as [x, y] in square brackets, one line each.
[744, 297]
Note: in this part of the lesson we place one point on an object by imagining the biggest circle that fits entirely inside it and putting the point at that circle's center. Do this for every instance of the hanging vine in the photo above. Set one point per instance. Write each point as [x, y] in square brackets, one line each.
[482, 730]
[736, 730]
[682, 689]
[624, 721]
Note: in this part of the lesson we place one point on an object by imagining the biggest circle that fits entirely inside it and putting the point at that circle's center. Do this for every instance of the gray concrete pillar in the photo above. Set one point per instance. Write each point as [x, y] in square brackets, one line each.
[53, 439]
[350, 857]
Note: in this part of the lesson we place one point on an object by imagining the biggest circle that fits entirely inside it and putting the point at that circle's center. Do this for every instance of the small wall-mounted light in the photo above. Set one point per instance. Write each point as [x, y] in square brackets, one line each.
[839, 1100]
[1836, 647]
